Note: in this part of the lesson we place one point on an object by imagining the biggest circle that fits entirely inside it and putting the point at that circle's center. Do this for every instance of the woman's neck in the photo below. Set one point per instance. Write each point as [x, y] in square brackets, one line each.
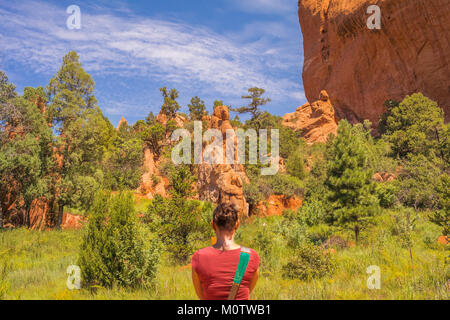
[225, 242]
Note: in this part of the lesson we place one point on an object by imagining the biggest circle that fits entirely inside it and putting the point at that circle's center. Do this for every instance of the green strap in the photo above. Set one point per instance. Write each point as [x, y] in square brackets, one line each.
[240, 271]
[242, 266]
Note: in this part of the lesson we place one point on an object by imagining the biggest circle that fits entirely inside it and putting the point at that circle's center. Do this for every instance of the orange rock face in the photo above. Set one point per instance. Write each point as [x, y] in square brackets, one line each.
[275, 205]
[316, 120]
[362, 68]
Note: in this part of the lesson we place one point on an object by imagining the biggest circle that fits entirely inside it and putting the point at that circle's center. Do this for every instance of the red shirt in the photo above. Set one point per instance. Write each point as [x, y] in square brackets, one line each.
[216, 270]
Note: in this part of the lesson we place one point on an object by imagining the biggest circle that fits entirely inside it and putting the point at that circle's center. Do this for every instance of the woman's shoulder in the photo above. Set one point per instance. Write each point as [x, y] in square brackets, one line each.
[200, 255]
[210, 250]
[204, 251]
[251, 251]
[254, 256]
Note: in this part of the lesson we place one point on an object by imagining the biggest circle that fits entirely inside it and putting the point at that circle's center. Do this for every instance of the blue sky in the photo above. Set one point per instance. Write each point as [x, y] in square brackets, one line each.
[214, 49]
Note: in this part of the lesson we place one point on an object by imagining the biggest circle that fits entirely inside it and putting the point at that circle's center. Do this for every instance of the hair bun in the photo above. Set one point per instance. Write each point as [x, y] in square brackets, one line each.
[226, 216]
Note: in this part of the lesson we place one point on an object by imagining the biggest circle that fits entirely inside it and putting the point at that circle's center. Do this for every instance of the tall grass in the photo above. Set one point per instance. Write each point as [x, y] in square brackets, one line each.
[33, 266]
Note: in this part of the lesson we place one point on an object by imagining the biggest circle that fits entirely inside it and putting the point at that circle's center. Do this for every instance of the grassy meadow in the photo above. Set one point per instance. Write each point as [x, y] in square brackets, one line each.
[33, 265]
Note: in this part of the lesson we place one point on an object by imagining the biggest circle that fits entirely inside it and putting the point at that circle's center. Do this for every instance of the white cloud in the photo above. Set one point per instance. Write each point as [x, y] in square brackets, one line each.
[34, 34]
[266, 6]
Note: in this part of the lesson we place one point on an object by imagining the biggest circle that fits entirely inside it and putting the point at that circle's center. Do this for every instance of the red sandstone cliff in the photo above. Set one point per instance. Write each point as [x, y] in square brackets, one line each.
[362, 68]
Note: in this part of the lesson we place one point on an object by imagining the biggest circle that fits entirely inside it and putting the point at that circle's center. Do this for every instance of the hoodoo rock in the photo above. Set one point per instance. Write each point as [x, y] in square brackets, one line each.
[122, 122]
[316, 121]
[222, 183]
[152, 181]
[361, 68]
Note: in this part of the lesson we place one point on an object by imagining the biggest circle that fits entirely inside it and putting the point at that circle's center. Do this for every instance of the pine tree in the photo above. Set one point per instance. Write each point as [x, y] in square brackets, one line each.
[170, 106]
[349, 179]
[151, 119]
[82, 134]
[197, 108]
[218, 103]
[256, 102]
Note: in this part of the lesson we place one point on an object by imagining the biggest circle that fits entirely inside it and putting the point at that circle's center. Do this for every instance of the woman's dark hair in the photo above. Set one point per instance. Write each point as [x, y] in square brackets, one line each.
[225, 216]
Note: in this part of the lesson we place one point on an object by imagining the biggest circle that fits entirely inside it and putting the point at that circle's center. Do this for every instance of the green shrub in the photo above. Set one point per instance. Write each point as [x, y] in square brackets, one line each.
[269, 245]
[421, 183]
[115, 251]
[181, 180]
[253, 195]
[442, 217]
[290, 215]
[387, 194]
[283, 184]
[296, 235]
[308, 262]
[403, 225]
[295, 166]
[179, 223]
[414, 126]
[313, 212]
[261, 187]
[319, 233]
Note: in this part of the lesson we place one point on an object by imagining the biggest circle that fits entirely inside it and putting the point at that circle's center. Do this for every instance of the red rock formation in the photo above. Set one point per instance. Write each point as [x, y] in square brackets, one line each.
[275, 205]
[152, 182]
[222, 183]
[316, 121]
[72, 221]
[383, 177]
[179, 120]
[122, 122]
[362, 68]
